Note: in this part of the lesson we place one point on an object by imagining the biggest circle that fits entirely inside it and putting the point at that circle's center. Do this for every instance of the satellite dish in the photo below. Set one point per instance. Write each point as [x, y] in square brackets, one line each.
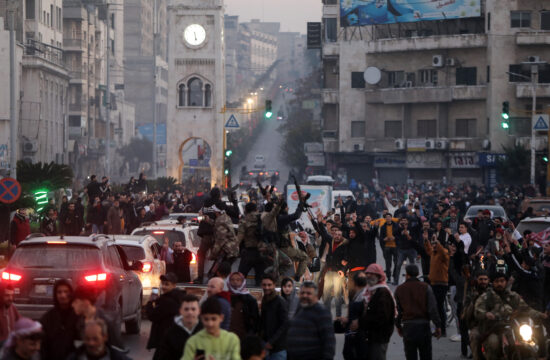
[372, 75]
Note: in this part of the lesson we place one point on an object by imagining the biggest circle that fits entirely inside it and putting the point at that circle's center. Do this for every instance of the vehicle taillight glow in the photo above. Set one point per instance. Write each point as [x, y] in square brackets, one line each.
[57, 242]
[250, 173]
[193, 259]
[96, 277]
[147, 267]
[158, 232]
[10, 276]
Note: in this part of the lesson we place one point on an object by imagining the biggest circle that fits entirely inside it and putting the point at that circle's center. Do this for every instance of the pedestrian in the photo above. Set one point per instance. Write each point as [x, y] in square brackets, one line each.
[212, 342]
[71, 222]
[24, 341]
[288, 292]
[439, 277]
[215, 289]
[377, 315]
[96, 343]
[477, 287]
[185, 325]
[273, 320]
[8, 313]
[416, 307]
[388, 231]
[162, 310]
[286, 245]
[48, 225]
[113, 218]
[20, 228]
[350, 325]
[311, 331]
[249, 234]
[405, 247]
[252, 348]
[336, 267]
[59, 324]
[93, 188]
[97, 215]
[244, 307]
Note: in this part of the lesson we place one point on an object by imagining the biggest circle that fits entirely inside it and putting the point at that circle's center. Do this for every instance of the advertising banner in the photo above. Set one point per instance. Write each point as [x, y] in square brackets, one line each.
[373, 12]
[321, 197]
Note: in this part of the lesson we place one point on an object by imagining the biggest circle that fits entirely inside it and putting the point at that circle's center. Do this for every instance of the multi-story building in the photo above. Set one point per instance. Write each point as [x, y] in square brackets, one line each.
[423, 99]
[291, 55]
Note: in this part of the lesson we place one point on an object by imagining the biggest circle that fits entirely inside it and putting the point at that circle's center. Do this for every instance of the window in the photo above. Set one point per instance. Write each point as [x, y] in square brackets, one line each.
[392, 129]
[195, 94]
[112, 20]
[520, 126]
[29, 4]
[544, 76]
[358, 129]
[545, 20]
[208, 95]
[331, 29]
[396, 78]
[357, 80]
[74, 121]
[520, 19]
[426, 128]
[428, 77]
[181, 95]
[488, 73]
[466, 128]
[520, 70]
[466, 76]
[51, 12]
[114, 256]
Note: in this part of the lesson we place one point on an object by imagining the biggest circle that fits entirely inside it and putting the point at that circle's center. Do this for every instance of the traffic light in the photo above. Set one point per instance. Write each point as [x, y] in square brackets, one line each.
[505, 115]
[268, 109]
[41, 198]
[227, 162]
[228, 153]
[545, 159]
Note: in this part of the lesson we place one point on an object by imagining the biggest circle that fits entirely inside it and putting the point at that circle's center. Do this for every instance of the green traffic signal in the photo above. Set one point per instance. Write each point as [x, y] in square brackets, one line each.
[505, 110]
[226, 172]
[505, 125]
[228, 153]
[545, 159]
[268, 109]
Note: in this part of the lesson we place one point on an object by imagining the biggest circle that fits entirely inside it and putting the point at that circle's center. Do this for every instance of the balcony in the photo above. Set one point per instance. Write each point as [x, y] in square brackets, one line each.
[330, 96]
[331, 49]
[330, 10]
[533, 38]
[464, 41]
[40, 55]
[73, 44]
[426, 94]
[523, 90]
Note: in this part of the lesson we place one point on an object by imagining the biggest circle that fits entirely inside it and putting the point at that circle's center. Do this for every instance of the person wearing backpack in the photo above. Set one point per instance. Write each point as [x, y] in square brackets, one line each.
[249, 234]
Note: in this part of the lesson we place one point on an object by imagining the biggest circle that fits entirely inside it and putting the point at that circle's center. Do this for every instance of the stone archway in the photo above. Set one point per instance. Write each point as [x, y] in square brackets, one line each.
[195, 155]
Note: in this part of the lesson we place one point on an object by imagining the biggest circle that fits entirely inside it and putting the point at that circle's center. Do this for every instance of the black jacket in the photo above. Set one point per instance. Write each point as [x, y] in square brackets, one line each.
[173, 343]
[362, 249]
[250, 313]
[274, 322]
[384, 231]
[377, 321]
[161, 313]
[334, 258]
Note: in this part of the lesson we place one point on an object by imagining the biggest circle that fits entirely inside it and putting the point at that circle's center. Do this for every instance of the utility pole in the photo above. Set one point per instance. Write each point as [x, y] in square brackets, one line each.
[155, 160]
[108, 98]
[13, 101]
[534, 72]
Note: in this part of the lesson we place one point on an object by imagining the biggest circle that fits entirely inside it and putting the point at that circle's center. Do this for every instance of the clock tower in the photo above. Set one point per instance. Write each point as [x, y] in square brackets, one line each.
[196, 91]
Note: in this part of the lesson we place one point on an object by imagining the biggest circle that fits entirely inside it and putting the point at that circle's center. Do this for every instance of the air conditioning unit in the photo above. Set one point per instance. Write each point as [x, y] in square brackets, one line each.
[441, 144]
[533, 59]
[486, 144]
[409, 84]
[430, 144]
[450, 61]
[400, 144]
[30, 146]
[437, 61]
[358, 147]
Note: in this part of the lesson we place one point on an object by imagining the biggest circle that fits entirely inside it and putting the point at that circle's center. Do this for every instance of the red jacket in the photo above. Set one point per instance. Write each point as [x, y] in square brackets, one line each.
[20, 229]
[8, 317]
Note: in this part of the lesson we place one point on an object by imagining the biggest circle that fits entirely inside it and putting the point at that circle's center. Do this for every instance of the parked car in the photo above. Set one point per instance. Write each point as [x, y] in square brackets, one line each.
[39, 261]
[145, 249]
[541, 206]
[535, 224]
[496, 211]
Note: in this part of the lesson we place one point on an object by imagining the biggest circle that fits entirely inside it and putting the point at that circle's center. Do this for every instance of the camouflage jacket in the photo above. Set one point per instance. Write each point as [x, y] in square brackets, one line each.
[468, 314]
[269, 219]
[226, 243]
[249, 230]
[502, 306]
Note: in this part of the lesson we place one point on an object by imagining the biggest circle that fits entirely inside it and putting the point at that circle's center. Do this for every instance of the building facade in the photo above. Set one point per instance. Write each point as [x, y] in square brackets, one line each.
[423, 100]
[196, 91]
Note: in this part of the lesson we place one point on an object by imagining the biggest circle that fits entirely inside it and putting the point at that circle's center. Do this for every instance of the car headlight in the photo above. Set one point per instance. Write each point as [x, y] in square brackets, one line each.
[526, 332]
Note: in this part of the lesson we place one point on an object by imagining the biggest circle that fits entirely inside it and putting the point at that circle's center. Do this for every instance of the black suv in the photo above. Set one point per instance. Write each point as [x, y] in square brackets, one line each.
[85, 261]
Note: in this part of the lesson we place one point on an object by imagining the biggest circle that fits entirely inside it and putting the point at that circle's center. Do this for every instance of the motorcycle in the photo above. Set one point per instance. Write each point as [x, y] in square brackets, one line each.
[518, 338]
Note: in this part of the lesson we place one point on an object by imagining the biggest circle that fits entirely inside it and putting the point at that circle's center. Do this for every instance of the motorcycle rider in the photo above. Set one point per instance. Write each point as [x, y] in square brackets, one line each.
[475, 290]
[494, 308]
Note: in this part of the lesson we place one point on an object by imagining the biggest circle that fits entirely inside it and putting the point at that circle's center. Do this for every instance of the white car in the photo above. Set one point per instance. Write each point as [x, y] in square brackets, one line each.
[146, 249]
[259, 162]
[535, 224]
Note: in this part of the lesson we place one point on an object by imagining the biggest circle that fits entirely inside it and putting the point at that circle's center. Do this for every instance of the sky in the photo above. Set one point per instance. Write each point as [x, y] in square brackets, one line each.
[292, 14]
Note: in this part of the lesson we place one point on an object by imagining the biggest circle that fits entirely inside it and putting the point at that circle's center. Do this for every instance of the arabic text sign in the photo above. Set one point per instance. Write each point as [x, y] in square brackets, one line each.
[372, 12]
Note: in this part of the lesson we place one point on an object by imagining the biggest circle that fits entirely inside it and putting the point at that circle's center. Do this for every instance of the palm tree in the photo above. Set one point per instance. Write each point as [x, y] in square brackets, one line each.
[50, 176]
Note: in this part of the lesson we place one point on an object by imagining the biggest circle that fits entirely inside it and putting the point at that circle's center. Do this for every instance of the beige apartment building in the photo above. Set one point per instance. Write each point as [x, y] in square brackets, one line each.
[423, 100]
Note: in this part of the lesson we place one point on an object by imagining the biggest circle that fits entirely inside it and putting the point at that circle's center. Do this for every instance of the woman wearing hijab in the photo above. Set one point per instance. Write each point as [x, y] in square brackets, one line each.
[288, 292]
[244, 307]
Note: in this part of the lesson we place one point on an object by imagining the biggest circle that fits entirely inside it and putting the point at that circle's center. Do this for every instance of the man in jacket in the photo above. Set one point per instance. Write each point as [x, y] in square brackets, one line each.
[59, 324]
[96, 343]
[388, 231]
[97, 215]
[249, 236]
[114, 225]
[8, 313]
[311, 331]
[71, 222]
[93, 188]
[405, 247]
[416, 306]
[162, 311]
[336, 266]
[48, 225]
[439, 276]
[273, 320]
[286, 246]
[468, 315]
[183, 327]
[215, 289]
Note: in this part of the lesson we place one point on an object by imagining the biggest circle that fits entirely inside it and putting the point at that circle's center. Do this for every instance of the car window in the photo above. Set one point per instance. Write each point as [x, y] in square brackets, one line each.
[160, 235]
[133, 252]
[115, 258]
[56, 257]
[535, 227]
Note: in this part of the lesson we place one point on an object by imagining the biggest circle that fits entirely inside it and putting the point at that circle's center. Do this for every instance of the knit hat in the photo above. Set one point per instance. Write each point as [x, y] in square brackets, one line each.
[24, 327]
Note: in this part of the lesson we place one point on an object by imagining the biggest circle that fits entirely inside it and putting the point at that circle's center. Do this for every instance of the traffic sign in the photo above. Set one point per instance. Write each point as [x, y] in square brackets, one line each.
[541, 122]
[10, 190]
[232, 122]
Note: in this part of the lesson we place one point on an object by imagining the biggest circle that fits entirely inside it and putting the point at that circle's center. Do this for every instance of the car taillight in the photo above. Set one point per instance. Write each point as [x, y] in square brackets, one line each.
[193, 259]
[158, 232]
[10, 276]
[96, 277]
[147, 267]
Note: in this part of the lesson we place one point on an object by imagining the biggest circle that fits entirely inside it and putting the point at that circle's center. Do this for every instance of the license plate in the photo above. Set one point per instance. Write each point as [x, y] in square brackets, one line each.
[43, 289]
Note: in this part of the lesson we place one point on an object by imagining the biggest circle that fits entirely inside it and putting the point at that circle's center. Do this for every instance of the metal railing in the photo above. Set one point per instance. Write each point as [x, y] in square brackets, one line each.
[44, 51]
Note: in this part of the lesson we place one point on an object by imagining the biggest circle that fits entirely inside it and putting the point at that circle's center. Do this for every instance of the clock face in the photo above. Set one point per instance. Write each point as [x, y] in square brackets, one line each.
[194, 35]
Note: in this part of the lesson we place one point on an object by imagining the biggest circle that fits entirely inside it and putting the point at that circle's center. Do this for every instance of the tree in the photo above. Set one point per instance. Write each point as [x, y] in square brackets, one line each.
[162, 184]
[50, 176]
[515, 167]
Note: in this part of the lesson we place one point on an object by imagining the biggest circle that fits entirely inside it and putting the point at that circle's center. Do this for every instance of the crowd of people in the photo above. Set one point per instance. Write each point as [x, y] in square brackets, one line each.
[482, 268]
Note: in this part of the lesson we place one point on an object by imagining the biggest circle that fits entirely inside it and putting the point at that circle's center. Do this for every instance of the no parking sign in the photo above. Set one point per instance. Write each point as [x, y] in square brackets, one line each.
[10, 190]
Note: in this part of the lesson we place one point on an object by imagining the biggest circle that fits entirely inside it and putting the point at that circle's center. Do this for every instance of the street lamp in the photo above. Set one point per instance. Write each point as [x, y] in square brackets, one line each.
[250, 101]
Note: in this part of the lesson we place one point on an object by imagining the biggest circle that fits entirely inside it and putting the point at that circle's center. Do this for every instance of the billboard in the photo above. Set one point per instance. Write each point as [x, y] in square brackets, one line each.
[373, 12]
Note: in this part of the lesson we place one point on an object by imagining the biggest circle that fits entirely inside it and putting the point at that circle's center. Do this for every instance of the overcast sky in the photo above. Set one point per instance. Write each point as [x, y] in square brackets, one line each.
[292, 14]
